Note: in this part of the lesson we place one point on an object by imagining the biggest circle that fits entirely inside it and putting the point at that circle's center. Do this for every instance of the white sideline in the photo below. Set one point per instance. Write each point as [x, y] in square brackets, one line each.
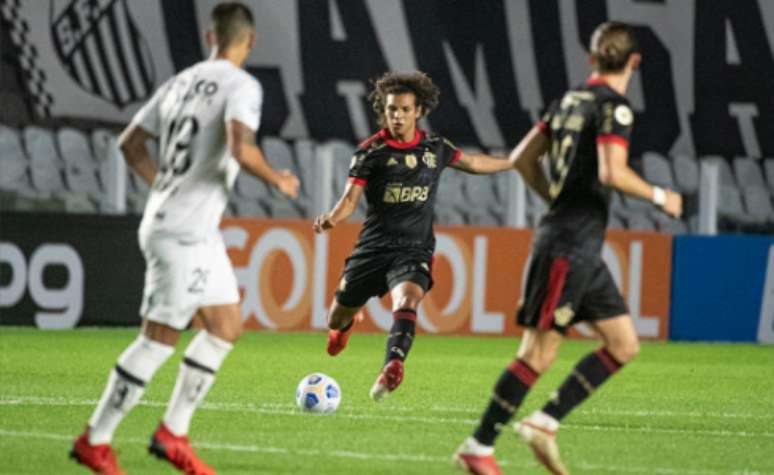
[424, 458]
[290, 410]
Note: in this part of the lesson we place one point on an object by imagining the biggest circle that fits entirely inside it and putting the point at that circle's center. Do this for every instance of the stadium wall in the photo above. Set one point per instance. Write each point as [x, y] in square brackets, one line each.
[723, 289]
[702, 88]
[62, 271]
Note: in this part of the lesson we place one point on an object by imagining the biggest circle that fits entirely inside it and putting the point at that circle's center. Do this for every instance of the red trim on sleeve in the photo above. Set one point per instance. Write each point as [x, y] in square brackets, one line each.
[358, 181]
[365, 143]
[456, 158]
[556, 279]
[544, 128]
[612, 138]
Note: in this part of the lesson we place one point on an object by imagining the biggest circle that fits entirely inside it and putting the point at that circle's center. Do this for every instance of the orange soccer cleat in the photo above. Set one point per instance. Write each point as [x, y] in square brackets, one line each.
[99, 458]
[177, 451]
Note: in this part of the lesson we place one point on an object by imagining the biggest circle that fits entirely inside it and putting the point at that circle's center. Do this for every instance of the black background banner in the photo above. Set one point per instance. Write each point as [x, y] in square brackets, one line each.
[112, 269]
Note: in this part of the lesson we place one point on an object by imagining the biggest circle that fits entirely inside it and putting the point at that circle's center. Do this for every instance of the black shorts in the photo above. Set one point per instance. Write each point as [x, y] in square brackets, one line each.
[372, 273]
[562, 291]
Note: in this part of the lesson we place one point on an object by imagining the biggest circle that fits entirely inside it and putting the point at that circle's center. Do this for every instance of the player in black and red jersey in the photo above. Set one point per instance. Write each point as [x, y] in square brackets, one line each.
[585, 135]
[398, 170]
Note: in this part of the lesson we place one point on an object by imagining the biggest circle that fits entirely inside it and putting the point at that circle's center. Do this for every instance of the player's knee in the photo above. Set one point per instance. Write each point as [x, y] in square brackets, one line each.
[539, 359]
[625, 350]
[407, 302]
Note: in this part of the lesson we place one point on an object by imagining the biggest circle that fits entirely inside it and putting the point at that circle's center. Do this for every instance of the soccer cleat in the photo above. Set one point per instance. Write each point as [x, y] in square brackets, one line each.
[477, 459]
[99, 458]
[177, 451]
[542, 441]
[337, 339]
[388, 380]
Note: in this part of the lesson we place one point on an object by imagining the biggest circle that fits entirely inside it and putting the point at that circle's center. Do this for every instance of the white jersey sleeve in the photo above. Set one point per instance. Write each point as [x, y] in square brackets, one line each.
[149, 115]
[244, 105]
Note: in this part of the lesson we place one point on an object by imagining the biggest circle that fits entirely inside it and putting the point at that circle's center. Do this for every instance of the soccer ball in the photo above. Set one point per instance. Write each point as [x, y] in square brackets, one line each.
[318, 393]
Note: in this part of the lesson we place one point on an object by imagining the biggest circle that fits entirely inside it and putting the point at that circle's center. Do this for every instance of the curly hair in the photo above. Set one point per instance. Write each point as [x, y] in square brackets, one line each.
[417, 83]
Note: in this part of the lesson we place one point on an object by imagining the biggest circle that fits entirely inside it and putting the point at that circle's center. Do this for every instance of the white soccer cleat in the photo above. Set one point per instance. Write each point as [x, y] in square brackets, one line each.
[539, 432]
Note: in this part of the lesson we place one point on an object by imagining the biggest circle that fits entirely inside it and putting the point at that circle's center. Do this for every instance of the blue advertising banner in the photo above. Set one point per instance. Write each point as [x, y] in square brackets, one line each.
[723, 288]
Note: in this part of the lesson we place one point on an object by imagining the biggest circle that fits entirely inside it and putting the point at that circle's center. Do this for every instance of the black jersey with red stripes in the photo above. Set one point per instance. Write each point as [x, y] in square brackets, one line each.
[585, 116]
[400, 181]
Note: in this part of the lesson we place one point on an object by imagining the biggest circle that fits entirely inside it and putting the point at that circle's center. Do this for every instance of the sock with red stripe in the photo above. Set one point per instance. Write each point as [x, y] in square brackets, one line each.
[510, 390]
[401, 334]
[587, 376]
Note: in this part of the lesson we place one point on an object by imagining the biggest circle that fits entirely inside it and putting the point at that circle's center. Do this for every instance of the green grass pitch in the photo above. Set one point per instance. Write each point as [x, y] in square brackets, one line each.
[678, 409]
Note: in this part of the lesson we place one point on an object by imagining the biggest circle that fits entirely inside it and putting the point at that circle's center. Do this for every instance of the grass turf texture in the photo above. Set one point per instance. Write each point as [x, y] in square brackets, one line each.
[678, 409]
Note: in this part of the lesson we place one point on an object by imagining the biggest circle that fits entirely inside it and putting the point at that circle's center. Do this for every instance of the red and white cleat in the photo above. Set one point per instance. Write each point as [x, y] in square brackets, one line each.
[99, 458]
[337, 339]
[477, 459]
[388, 380]
[539, 432]
[177, 451]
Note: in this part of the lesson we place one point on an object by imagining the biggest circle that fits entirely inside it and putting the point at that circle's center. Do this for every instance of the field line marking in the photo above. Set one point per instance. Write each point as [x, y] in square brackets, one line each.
[391, 457]
[289, 410]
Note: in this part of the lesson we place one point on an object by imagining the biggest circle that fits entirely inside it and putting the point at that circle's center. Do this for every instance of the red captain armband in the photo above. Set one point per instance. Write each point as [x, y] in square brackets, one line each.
[456, 157]
[612, 138]
[543, 128]
[358, 181]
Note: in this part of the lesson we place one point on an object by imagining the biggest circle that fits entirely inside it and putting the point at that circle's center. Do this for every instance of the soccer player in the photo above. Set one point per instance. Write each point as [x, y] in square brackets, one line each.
[398, 170]
[585, 135]
[206, 118]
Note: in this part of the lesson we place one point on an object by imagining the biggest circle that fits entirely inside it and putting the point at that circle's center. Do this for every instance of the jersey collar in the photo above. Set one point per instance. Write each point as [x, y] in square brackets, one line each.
[387, 136]
[596, 81]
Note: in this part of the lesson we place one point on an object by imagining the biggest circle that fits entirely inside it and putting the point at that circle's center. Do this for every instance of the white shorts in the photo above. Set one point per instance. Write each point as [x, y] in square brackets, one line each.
[181, 277]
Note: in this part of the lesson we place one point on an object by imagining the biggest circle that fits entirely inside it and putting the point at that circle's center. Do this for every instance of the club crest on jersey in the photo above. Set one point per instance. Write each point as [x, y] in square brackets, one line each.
[83, 30]
[411, 160]
[563, 314]
[429, 159]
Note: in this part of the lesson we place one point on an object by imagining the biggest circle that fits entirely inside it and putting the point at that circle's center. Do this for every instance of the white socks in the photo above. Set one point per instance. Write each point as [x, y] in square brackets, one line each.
[126, 384]
[203, 358]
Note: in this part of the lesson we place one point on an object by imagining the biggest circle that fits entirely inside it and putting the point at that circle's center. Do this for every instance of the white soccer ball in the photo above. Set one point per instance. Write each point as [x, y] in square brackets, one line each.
[318, 393]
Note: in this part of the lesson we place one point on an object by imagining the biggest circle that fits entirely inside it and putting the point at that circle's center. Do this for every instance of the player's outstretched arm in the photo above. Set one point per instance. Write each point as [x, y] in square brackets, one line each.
[614, 171]
[241, 144]
[132, 144]
[343, 209]
[525, 158]
[480, 164]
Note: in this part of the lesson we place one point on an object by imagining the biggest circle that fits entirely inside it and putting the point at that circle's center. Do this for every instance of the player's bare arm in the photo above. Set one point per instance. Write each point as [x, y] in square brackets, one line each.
[132, 143]
[241, 144]
[614, 171]
[341, 211]
[525, 158]
[480, 164]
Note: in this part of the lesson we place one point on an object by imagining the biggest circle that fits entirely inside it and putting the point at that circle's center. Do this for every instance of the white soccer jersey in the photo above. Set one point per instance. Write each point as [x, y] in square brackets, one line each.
[196, 171]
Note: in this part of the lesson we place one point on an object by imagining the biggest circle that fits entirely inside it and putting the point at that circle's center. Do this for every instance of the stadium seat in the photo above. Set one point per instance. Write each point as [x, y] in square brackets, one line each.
[613, 222]
[669, 225]
[686, 173]
[726, 175]
[748, 173]
[536, 208]
[13, 162]
[449, 194]
[479, 190]
[341, 154]
[305, 153]
[758, 204]
[80, 167]
[730, 205]
[78, 203]
[248, 186]
[280, 156]
[14, 111]
[45, 164]
[640, 222]
[657, 170]
[768, 167]
[250, 208]
[448, 216]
